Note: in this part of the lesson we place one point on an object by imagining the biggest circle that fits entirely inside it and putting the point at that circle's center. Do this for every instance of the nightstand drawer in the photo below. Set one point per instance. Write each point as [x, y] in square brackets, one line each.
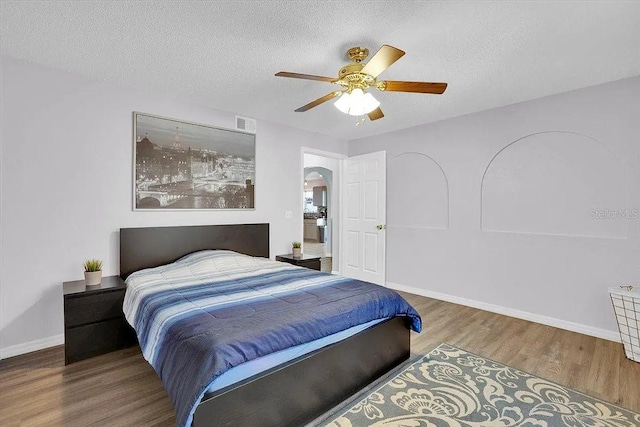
[308, 261]
[313, 264]
[91, 340]
[84, 309]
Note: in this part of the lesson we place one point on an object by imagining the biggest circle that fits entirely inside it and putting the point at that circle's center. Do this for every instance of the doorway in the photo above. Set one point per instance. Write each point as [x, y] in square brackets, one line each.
[318, 188]
[321, 210]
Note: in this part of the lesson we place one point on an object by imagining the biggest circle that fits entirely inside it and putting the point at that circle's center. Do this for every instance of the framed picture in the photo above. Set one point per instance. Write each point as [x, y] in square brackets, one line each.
[181, 165]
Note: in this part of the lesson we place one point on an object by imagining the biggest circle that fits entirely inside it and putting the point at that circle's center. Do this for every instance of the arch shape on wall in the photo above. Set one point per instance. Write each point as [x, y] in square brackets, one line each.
[417, 192]
[325, 173]
[554, 183]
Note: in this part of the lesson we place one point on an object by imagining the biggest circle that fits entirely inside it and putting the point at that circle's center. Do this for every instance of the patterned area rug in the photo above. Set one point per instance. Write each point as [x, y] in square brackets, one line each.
[453, 388]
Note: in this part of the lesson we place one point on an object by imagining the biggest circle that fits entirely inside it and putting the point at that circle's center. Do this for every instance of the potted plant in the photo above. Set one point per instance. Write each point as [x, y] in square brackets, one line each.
[92, 272]
[297, 249]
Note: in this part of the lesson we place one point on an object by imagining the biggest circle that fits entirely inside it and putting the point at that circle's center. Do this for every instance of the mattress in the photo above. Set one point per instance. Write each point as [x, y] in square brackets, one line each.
[262, 364]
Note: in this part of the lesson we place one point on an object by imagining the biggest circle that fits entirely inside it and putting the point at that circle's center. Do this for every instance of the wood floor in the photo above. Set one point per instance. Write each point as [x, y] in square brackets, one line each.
[121, 389]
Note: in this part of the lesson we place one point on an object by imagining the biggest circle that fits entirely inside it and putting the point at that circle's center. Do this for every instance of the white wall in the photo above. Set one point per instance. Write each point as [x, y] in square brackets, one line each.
[67, 187]
[506, 206]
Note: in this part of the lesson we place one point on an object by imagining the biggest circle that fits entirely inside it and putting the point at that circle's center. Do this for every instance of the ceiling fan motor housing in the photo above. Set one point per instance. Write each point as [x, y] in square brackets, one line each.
[350, 77]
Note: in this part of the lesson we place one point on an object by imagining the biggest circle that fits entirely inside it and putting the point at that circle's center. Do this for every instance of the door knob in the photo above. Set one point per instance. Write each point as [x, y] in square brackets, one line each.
[381, 226]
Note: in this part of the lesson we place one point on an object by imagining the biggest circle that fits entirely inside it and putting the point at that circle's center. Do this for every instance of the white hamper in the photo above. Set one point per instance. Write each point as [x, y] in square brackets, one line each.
[626, 304]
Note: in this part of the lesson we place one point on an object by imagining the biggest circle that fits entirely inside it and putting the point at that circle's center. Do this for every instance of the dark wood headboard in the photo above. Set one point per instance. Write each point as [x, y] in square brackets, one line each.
[153, 246]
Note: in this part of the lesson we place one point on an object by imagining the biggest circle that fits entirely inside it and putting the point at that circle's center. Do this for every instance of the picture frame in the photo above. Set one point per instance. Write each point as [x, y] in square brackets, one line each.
[181, 165]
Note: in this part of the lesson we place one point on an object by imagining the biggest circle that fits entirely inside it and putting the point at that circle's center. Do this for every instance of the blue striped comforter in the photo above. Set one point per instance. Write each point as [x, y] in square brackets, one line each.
[213, 310]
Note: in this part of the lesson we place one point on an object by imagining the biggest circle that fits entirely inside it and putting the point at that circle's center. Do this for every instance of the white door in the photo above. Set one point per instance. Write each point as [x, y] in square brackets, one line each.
[364, 216]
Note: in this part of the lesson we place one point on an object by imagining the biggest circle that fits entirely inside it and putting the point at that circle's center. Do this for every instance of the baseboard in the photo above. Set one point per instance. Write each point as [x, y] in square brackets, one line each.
[28, 347]
[43, 343]
[525, 315]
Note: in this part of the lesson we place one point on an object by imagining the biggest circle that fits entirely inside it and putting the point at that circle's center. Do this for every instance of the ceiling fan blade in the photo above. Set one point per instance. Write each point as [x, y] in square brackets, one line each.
[318, 101]
[306, 77]
[376, 114]
[420, 87]
[382, 60]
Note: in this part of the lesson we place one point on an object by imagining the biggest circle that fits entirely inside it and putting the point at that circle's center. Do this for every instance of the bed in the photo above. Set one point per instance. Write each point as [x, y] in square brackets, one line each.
[293, 392]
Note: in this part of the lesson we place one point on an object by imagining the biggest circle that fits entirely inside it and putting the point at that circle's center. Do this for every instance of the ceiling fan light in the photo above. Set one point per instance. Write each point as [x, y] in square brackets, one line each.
[356, 103]
[343, 103]
[370, 103]
[356, 110]
[357, 95]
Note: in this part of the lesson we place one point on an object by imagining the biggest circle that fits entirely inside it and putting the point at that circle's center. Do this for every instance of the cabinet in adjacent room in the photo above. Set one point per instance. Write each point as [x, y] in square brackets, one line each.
[311, 229]
[320, 196]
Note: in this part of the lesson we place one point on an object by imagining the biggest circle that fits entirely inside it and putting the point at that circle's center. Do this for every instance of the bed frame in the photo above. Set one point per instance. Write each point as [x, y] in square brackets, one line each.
[298, 391]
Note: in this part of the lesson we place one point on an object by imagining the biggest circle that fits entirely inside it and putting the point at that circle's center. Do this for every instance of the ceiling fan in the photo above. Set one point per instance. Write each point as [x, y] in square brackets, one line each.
[355, 78]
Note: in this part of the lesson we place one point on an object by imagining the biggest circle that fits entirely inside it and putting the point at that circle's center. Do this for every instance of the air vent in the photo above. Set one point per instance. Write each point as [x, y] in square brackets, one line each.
[246, 124]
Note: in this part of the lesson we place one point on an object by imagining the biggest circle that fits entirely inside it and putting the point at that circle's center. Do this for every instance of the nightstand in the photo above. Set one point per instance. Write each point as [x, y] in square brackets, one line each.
[94, 323]
[308, 261]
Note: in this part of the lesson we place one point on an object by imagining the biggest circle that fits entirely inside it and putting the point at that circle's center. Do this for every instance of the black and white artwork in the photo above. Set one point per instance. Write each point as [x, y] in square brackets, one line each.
[181, 165]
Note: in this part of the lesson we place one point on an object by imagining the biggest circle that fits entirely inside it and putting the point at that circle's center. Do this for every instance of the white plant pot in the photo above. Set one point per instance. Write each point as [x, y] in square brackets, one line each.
[92, 278]
[297, 252]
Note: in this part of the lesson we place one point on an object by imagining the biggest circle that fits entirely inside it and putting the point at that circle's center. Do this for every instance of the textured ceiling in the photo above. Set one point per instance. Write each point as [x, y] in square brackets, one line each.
[224, 54]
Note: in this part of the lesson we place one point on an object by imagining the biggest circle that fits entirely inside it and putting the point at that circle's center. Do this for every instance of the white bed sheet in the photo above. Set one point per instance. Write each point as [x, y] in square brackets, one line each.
[261, 364]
